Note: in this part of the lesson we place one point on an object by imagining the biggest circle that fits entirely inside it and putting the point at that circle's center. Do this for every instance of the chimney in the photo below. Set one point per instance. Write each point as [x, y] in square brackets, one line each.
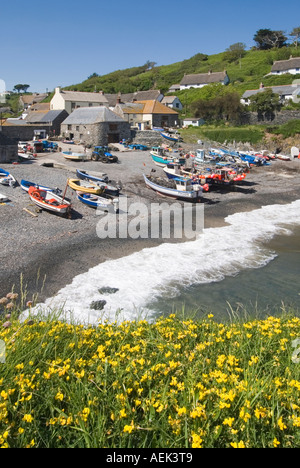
[261, 86]
[101, 92]
[119, 98]
[58, 90]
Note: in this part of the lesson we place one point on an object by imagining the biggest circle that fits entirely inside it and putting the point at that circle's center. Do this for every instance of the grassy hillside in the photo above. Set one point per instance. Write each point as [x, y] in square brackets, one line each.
[245, 73]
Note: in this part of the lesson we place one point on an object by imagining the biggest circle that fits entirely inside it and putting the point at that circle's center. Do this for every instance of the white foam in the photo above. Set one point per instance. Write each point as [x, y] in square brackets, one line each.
[150, 273]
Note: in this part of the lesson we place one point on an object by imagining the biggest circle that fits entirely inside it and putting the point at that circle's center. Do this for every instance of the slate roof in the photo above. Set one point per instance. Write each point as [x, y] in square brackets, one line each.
[131, 97]
[282, 90]
[52, 115]
[282, 65]
[203, 78]
[80, 96]
[92, 115]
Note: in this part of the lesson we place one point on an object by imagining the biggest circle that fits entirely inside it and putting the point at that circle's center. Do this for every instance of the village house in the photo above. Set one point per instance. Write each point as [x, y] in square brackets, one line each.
[28, 100]
[173, 102]
[202, 79]
[71, 100]
[145, 115]
[95, 126]
[286, 93]
[151, 94]
[292, 66]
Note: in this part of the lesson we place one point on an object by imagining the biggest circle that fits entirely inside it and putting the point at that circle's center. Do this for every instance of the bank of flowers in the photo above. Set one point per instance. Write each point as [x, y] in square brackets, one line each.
[172, 383]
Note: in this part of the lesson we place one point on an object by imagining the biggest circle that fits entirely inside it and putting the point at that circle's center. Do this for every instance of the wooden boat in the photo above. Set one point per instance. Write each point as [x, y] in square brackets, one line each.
[6, 178]
[283, 157]
[107, 188]
[84, 186]
[105, 203]
[25, 157]
[49, 201]
[74, 156]
[25, 185]
[184, 189]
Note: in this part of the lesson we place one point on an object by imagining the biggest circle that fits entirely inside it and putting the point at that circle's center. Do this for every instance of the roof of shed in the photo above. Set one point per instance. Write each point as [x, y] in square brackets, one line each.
[92, 115]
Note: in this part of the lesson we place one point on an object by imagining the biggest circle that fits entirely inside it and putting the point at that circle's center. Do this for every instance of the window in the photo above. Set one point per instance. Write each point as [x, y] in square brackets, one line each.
[69, 127]
[77, 128]
[113, 127]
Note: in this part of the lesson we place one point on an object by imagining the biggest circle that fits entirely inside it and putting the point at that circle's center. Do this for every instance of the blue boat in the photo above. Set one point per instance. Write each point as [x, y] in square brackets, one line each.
[103, 202]
[25, 185]
[6, 178]
[101, 181]
[162, 157]
[175, 137]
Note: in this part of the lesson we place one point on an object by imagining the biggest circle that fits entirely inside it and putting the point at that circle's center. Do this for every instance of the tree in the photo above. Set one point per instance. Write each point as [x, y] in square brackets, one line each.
[227, 107]
[267, 39]
[150, 65]
[295, 33]
[19, 87]
[265, 103]
[235, 51]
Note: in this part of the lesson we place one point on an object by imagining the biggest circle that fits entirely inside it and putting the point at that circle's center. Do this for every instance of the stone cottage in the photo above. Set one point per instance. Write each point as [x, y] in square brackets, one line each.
[71, 100]
[95, 126]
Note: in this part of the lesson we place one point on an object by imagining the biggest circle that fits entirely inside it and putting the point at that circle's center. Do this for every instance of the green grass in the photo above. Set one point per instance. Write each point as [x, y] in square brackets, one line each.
[220, 134]
[174, 383]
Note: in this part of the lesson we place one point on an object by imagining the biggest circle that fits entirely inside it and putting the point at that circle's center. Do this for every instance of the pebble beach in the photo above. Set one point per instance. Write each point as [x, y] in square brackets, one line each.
[42, 252]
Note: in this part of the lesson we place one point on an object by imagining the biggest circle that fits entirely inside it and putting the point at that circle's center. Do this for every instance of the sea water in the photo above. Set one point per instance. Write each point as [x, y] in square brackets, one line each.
[253, 261]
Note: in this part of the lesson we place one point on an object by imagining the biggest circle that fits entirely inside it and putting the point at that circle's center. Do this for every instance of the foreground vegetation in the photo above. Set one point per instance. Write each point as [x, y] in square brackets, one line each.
[172, 383]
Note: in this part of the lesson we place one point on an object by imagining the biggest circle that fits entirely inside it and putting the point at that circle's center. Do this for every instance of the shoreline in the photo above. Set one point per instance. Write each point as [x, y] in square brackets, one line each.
[62, 249]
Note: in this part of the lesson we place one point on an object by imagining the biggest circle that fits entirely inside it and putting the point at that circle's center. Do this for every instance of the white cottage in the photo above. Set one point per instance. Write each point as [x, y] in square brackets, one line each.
[291, 66]
[71, 100]
[199, 80]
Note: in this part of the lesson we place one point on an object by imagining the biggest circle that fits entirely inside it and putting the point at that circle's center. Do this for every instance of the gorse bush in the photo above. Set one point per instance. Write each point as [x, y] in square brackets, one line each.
[172, 383]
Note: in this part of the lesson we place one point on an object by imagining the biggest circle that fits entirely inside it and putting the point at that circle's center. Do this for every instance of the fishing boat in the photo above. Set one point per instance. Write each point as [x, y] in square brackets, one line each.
[6, 178]
[105, 203]
[175, 137]
[102, 182]
[85, 186]
[74, 156]
[161, 157]
[211, 176]
[25, 185]
[182, 189]
[49, 201]
[283, 157]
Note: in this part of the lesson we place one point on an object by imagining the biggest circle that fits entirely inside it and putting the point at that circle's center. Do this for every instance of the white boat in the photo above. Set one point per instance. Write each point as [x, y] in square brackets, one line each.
[184, 190]
[49, 201]
[3, 198]
[6, 178]
[74, 156]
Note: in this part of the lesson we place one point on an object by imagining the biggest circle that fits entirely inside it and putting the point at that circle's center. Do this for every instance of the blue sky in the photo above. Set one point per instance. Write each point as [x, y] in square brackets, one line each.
[59, 43]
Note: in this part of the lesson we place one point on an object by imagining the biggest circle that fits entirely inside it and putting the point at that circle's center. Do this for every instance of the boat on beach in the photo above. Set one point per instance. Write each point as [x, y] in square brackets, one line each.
[74, 156]
[6, 178]
[101, 182]
[3, 198]
[49, 201]
[181, 190]
[103, 202]
[85, 186]
[162, 156]
[174, 137]
[25, 185]
[209, 175]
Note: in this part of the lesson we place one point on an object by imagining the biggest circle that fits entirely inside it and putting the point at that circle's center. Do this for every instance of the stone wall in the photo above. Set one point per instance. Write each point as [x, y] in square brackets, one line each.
[278, 118]
[147, 137]
[98, 133]
[22, 132]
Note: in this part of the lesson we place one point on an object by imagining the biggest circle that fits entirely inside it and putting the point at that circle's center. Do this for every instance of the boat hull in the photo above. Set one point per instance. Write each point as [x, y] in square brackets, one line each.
[49, 201]
[101, 182]
[99, 202]
[173, 193]
[84, 186]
